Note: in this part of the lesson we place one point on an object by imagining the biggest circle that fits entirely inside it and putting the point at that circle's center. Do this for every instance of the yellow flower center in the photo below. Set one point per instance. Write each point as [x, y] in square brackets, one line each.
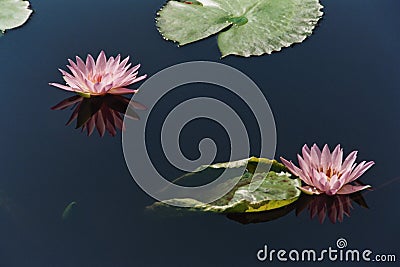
[331, 172]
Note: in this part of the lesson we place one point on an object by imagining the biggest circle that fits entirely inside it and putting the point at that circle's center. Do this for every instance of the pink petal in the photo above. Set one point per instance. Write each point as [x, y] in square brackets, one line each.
[348, 162]
[81, 65]
[335, 186]
[117, 60]
[337, 157]
[348, 189]
[132, 115]
[310, 190]
[114, 66]
[98, 88]
[75, 70]
[110, 61]
[316, 149]
[306, 155]
[292, 168]
[318, 180]
[333, 183]
[135, 68]
[77, 75]
[101, 63]
[123, 63]
[306, 170]
[90, 64]
[134, 80]
[62, 86]
[359, 170]
[326, 182]
[315, 157]
[137, 105]
[121, 91]
[110, 65]
[326, 158]
[71, 82]
[64, 73]
[125, 69]
[306, 149]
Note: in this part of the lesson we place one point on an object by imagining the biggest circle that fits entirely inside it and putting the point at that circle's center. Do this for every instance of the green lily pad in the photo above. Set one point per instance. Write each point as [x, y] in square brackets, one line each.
[13, 13]
[245, 27]
[277, 189]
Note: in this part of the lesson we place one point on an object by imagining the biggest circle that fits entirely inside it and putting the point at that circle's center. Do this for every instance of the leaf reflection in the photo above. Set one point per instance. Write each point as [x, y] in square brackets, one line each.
[322, 206]
[104, 113]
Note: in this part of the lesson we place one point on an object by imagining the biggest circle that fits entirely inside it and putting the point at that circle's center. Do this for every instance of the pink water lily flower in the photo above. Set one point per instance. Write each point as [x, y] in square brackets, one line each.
[100, 77]
[324, 172]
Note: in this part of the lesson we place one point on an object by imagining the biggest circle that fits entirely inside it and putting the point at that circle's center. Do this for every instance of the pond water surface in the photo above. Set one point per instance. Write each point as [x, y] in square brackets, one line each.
[340, 86]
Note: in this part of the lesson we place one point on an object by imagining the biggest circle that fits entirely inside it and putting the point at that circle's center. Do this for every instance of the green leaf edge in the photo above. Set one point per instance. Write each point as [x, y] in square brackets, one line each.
[30, 11]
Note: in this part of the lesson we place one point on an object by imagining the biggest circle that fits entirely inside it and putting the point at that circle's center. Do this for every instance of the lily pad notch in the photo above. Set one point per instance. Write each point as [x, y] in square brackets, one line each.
[13, 14]
[244, 27]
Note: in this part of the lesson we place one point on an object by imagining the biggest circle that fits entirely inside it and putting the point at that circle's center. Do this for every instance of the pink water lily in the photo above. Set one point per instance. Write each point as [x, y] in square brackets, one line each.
[324, 172]
[100, 77]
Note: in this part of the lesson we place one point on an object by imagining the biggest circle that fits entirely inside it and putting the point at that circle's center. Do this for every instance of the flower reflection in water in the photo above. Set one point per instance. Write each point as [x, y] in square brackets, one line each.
[104, 113]
[333, 207]
[321, 206]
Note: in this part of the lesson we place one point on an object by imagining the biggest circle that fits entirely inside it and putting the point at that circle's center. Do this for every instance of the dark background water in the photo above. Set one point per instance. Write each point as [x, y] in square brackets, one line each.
[340, 86]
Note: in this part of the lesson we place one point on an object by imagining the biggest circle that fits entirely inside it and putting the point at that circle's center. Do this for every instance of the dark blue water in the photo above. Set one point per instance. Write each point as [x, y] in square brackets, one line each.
[340, 86]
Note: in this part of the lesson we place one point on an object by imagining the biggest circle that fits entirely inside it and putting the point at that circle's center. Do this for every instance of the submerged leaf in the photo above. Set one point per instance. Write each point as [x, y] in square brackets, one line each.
[245, 27]
[13, 13]
[67, 211]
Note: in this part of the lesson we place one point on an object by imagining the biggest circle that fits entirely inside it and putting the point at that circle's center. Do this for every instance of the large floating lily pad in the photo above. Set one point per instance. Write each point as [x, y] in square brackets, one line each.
[278, 189]
[13, 13]
[245, 27]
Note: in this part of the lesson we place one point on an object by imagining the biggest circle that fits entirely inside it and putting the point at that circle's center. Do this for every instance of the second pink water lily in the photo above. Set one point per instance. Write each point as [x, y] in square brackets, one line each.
[326, 172]
[100, 77]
